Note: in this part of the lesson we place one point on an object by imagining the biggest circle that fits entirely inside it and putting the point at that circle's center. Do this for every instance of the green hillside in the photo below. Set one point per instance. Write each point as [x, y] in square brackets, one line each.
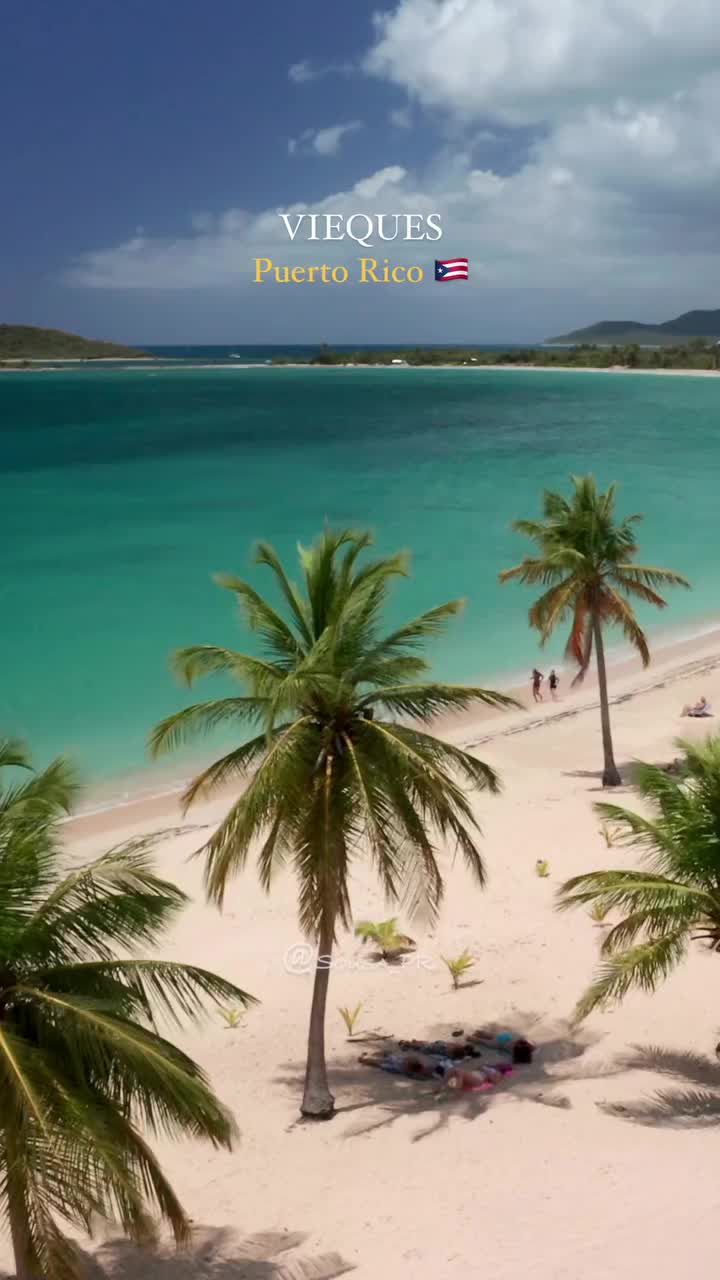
[27, 342]
[692, 324]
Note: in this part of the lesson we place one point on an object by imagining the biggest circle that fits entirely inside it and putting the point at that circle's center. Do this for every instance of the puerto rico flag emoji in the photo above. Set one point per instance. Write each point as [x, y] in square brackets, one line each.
[451, 269]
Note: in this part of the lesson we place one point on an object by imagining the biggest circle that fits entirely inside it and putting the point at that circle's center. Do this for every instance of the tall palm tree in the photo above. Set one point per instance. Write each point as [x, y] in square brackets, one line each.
[585, 558]
[675, 899]
[339, 762]
[83, 1069]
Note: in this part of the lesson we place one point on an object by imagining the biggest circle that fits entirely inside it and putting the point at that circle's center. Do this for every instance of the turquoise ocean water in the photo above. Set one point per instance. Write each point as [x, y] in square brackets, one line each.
[122, 491]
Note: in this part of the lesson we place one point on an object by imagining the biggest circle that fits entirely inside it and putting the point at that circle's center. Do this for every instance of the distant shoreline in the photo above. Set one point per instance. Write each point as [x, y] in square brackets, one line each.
[236, 366]
[498, 368]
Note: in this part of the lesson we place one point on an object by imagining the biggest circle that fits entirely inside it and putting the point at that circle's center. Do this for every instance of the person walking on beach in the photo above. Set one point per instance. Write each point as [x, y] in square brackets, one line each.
[537, 679]
[553, 681]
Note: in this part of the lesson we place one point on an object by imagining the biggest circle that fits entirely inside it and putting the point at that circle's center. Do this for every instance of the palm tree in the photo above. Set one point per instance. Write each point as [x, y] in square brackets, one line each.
[386, 937]
[83, 1069]
[673, 901]
[328, 772]
[585, 559]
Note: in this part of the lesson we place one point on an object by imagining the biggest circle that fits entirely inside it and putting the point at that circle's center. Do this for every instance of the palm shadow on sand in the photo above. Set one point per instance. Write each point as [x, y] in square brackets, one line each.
[626, 768]
[558, 1060]
[216, 1253]
[695, 1103]
[629, 772]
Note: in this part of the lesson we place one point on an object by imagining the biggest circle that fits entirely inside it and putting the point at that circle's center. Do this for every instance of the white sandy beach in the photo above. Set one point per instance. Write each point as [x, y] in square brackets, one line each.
[540, 1179]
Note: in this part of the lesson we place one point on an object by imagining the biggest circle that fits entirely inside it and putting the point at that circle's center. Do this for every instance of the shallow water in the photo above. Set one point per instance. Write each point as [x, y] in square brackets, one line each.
[123, 490]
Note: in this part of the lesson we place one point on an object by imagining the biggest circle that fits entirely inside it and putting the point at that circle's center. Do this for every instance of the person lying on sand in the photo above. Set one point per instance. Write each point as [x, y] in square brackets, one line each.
[476, 1081]
[518, 1049]
[701, 708]
[442, 1049]
[402, 1064]
[444, 1069]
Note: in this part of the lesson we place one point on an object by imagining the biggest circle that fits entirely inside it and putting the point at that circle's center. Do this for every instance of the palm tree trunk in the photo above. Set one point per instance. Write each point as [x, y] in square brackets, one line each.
[17, 1215]
[318, 1103]
[611, 777]
[23, 1271]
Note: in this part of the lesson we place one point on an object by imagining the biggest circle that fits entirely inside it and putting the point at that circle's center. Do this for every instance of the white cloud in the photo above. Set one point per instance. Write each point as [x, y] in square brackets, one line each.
[218, 251]
[370, 188]
[301, 72]
[526, 61]
[327, 141]
[665, 149]
[576, 215]
[485, 183]
[323, 142]
[615, 198]
[401, 117]
[304, 72]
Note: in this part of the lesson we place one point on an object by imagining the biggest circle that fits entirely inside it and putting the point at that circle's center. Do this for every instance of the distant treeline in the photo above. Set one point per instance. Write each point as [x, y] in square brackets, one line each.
[25, 342]
[697, 353]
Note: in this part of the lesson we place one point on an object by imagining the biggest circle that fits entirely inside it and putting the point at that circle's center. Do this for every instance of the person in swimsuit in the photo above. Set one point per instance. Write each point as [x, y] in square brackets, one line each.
[476, 1081]
[553, 681]
[537, 679]
[401, 1064]
[701, 709]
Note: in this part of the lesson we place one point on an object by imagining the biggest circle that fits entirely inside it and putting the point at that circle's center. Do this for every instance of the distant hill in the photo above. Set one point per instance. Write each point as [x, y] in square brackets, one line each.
[27, 342]
[693, 324]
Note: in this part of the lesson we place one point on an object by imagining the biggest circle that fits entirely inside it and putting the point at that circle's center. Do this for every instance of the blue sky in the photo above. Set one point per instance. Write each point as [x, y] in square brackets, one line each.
[571, 152]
